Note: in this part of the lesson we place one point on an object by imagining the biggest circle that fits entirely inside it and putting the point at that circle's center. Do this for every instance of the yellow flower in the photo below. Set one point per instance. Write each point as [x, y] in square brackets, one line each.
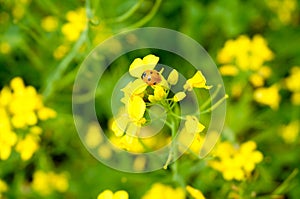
[245, 54]
[136, 109]
[193, 125]
[3, 187]
[49, 23]
[27, 146]
[296, 98]
[173, 77]
[61, 51]
[292, 82]
[139, 65]
[229, 70]
[195, 193]
[7, 137]
[108, 194]
[179, 96]
[268, 96]
[21, 107]
[236, 163]
[77, 22]
[161, 191]
[197, 81]
[290, 132]
[283, 9]
[159, 94]
[257, 80]
[46, 182]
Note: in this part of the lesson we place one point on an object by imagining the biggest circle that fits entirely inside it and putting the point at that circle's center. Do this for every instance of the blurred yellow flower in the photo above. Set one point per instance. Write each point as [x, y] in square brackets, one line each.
[5, 47]
[284, 9]
[195, 193]
[61, 51]
[268, 96]
[27, 146]
[46, 182]
[236, 163]
[197, 81]
[49, 23]
[290, 132]
[108, 194]
[244, 53]
[292, 81]
[77, 23]
[3, 187]
[161, 191]
[229, 70]
[20, 108]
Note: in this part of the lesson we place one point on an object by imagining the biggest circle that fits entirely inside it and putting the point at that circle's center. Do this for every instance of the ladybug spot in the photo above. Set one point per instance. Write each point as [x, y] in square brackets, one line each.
[143, 75]
[149, 79]
[154, 83]
[151, 72]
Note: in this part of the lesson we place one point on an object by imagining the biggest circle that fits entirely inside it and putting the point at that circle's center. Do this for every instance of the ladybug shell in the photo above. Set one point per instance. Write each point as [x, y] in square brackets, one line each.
[151, 77]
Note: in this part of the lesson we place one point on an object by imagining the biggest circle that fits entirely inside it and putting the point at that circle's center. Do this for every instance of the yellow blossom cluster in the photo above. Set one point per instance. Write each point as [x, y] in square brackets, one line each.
[293, 84]
[21, 107]
[108, 194]
[77, 22]
[284, 9]
[161, 191]
[236, 163]
[245, 54]
[46, 182]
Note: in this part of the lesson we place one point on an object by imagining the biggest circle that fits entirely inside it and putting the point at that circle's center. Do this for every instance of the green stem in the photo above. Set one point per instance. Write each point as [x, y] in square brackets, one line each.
[207, 102]
[147, 18]
[213, 107]
[127, 14]
[284, 186]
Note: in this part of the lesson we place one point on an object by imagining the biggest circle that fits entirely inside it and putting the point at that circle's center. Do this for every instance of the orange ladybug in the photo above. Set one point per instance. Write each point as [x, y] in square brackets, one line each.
[151, 77]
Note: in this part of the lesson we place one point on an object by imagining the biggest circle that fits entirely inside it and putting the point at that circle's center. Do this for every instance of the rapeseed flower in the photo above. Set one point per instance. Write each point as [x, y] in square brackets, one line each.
[290, 132]
[49, 23]
[76, 23]
[45, 183]
[108, 194]
[284, 9]
[293, 84]
[268, 96]
[161, 191]
[244, 54]
[236, 163]
[21, 107]
[197, 81]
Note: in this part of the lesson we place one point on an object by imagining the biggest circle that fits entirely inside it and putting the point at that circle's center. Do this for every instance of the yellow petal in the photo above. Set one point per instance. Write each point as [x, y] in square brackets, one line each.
[139, 65]
[107, 194]
[136, 108]
[197, 81]
[121, 195]
[195, 193]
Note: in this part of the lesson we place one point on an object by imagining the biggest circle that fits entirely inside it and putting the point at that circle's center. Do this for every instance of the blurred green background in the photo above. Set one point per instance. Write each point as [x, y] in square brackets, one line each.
[44, 43]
